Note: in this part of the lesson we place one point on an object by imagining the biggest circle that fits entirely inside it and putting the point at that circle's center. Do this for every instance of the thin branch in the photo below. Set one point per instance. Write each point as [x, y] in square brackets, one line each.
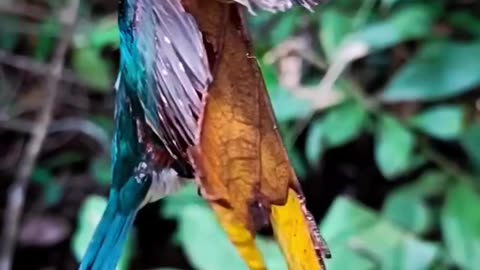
[24, 10]
[16, 192]
[66, 125]
[37, 68]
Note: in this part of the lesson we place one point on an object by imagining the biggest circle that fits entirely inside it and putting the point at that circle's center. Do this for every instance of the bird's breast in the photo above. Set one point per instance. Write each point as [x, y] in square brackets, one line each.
[164, 182]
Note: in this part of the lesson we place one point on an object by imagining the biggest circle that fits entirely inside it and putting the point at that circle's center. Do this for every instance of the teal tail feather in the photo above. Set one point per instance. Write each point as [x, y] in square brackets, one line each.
[108, 241]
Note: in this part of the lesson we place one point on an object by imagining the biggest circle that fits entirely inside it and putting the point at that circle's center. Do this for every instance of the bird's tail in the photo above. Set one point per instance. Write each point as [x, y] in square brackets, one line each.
[297, 234]
[108, 241]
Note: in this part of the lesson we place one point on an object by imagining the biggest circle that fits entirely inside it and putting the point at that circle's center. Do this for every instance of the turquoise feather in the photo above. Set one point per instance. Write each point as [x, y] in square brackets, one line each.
[157, 103]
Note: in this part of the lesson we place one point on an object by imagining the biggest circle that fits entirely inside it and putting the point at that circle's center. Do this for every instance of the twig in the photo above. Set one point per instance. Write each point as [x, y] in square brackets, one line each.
[289, 56]
[16, 192]
[70, 125]
[24, 10]
[37, 68]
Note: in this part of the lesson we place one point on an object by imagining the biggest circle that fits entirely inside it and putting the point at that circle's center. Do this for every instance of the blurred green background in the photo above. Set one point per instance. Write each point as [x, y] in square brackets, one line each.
[378, 103]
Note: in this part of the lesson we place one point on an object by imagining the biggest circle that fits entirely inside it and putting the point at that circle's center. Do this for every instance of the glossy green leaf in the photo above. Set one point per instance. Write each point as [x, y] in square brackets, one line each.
[394, 146]
[432, 183]
[394, 249]
[297, 161]
[42, 175]
[106, 123]
[288, 107]
[101, 171]
[63, 159]
[442, 122]
[343, 124]
[335, 27]
[461, 225]
[208, 248]
[46, 43]
[333, 226]
[284, 28]
[412, 22]
[471, 144]
[389, 3]
[91, 67]
[338, 233]
[285, 106]
[105, 34]
[408, 212]
[9, 33]
[89, 216]
[174, 204]
[271, 253]
[361, 239]
[465, 20]
[52, 193]
[439, 70]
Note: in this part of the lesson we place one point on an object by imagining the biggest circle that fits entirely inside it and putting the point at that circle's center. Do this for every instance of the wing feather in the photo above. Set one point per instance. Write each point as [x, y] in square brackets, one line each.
[167, 60]
[277, 5]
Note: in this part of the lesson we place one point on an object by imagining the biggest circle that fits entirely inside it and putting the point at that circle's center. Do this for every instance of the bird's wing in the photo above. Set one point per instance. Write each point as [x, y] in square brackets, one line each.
[171, 70]
[277, 5]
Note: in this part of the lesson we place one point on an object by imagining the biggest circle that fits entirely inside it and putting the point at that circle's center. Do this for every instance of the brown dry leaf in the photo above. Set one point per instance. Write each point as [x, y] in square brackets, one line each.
[241, 163]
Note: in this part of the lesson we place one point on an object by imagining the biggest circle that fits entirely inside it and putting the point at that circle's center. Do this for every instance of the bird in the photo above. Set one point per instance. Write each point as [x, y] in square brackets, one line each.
[163, 79]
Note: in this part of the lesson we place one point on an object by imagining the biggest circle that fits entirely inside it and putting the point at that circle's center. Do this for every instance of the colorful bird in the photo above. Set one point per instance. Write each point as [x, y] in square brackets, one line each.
[166, 67]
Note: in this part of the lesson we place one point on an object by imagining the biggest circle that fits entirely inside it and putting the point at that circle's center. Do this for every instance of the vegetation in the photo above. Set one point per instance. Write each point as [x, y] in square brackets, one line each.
[378, 103]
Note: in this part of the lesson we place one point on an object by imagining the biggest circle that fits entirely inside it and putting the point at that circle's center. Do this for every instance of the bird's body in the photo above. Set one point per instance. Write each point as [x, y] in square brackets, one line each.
[152, 129]
[159, 99]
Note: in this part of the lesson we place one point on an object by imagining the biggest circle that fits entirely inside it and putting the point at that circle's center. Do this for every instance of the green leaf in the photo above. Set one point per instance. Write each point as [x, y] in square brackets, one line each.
[432, 183]
[271, 253]
[394, 249]
[174, 204]
[334, 228]
[297, 162]
[208, 248]
[335, 27]
[461, 225]
[52, 193]
[89, 216]
[393, 147]
[288, 107]
[439, 70]
[100, 169]
[471, 144]
[45, 43]
[409, 212]
[465, 20]
[10, 35]
[412, 22]
[285, 106]
[338, 233]
[284, 28]
[360, 239]
[343, 123]
[314, 142]
[63, 159]
[90, 66]
[443, 122]
[104, 122]
[105, 34]
[42, 175]
[389, 3]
